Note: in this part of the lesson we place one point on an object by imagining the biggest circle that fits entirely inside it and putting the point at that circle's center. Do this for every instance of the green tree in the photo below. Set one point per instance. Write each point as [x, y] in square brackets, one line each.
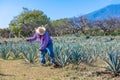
[27, 21]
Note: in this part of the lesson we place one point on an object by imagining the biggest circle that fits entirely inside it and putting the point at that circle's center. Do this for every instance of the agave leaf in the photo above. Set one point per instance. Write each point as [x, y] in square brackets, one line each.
[110, 65]
[116, 59]
[111, 57]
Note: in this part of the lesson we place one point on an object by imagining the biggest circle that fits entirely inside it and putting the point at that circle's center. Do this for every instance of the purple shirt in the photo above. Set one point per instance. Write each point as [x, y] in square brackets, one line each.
[44, 39]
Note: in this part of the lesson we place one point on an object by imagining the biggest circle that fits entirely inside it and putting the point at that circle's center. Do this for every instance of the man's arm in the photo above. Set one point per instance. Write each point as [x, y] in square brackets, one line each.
[32, 38]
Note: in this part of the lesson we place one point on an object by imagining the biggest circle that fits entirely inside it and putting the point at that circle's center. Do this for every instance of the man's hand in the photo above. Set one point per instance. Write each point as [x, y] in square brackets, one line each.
[27, 39]
[40, 49]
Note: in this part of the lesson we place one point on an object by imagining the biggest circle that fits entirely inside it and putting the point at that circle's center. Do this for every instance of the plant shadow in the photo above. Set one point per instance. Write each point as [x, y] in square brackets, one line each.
[1, 74]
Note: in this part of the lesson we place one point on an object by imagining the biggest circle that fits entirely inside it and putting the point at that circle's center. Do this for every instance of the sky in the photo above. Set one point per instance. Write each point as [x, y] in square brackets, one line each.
[54, 9]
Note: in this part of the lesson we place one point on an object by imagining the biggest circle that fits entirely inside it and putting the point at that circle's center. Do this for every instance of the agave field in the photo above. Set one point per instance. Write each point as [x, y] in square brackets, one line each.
[68, 50]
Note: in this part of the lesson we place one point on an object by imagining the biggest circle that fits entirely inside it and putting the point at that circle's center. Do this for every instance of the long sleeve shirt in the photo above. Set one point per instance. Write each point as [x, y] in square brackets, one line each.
[44, 39]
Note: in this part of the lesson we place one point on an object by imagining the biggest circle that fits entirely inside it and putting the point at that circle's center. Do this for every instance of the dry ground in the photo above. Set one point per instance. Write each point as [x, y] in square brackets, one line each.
[21, 70]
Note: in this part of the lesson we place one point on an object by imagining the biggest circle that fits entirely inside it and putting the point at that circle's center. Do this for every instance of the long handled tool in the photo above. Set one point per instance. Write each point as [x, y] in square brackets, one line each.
[27, 41]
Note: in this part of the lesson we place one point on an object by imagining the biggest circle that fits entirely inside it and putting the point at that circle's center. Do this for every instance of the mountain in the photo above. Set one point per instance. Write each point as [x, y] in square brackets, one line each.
[104, 13]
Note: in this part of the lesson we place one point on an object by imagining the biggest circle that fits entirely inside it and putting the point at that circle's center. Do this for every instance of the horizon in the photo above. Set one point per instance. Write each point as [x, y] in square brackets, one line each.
[53, 9]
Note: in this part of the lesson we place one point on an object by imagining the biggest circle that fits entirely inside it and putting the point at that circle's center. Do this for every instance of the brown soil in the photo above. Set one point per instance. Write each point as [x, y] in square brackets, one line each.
[21, 70]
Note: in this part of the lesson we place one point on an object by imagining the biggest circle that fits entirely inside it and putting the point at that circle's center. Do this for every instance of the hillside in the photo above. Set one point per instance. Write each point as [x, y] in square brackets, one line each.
[104, 13]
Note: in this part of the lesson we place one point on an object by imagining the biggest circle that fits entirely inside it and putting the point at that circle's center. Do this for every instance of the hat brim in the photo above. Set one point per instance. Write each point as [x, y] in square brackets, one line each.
[40, 30]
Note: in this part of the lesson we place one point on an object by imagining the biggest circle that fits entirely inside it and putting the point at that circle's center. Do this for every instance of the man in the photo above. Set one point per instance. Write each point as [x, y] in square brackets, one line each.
[46, 45]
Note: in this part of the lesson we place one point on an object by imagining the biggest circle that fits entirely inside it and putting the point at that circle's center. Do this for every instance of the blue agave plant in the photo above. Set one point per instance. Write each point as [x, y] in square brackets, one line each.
[114, 63]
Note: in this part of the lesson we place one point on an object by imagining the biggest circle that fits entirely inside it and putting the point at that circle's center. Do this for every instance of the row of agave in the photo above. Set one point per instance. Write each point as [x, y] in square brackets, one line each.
[67, 51]
[88, 51]
[16, 50]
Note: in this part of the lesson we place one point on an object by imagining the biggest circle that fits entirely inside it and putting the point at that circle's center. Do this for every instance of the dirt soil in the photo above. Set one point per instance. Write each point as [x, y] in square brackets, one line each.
[21, 70]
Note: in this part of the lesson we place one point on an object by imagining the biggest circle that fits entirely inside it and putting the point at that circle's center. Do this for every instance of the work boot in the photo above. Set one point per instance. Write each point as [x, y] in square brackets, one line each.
[56, 66]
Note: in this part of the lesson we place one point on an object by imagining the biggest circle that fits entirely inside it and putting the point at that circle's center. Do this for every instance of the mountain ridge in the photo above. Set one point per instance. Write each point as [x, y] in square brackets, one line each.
[112, 10]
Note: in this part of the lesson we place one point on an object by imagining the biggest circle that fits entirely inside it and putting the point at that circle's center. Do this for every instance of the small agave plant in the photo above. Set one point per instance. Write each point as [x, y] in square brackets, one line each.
[62, 55]
[30, 53]
[4, 50]
[113, 63]
[16, 51]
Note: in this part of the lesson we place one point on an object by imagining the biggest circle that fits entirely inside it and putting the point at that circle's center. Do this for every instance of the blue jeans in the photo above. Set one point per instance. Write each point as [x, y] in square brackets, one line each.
[49, 50]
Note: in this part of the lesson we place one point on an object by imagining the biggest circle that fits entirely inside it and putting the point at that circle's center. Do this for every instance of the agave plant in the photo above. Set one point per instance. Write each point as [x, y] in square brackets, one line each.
[30, 53]
[62, 54]
[16, 51]
[75, 57]
[4, 50]
[113, 63]
[85, 56]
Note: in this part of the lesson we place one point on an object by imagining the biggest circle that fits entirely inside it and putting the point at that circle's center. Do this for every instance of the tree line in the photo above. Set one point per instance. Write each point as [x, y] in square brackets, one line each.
[25, 23]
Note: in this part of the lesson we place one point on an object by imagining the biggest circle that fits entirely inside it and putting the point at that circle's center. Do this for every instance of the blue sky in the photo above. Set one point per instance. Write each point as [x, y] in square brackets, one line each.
[55, 9]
